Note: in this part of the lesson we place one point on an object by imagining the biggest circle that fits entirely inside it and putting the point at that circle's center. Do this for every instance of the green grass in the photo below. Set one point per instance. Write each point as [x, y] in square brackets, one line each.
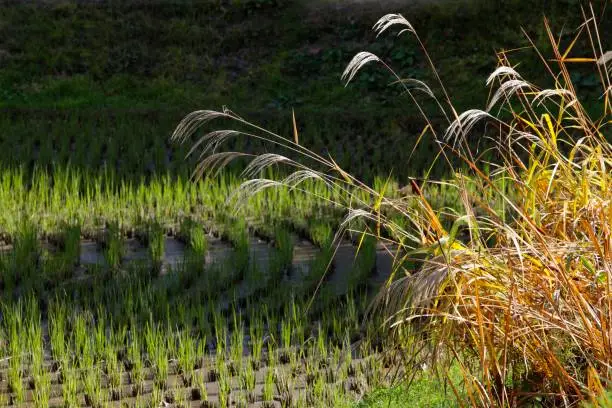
[426, 390]
[420, 394]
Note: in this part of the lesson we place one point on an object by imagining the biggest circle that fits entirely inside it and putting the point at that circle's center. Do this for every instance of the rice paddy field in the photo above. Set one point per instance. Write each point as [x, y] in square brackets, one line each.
[126, 282]
[134, 295]
[121, 294]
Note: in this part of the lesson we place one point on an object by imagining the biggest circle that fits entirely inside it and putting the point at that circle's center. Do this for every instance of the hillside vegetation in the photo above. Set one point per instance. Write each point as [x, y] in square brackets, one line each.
[103, 83]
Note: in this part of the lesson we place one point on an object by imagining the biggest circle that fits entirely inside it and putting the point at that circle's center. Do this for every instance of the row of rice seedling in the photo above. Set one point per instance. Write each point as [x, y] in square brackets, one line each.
[88, 357]
[51, 200]
[134, 146]
[118, 331]
[54, 200]
[192, 270]
[91, 141]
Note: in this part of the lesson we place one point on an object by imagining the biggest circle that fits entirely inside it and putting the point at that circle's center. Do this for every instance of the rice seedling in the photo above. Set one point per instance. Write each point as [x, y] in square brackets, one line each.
[220, 333]
[352, 319]
[238, 235]
[336, 327]
[268, 388]
[34, 339]
[198, 242]
[15, 380]
[256, 335]
[295, 361]
[157, 396]
[25, 256]
[186, 357]
[79, 332]
[284, 388]
[157, 351]
[283, 243]
[346, 368]
[201, 351]
[57, 330]
[237, 343]
[332, 375]
[334, 395]
[272, 354]
[286, 334]
[100, 342]
[321, 234]
[372, 372]
[42, 389]
[321, 343]
[224, 387]
[180, 397]
[300, 400]
[317, 389]
[247, 378]
[136, 365]
[141, 402]
[161, 368]
[156, 241]
[12, 319]
[92, 386]
[37, 371]
[70, 242]
[199, 391]
[70, 387]
[320, 267]
[241, 401]
[114, 372]
[114, 248]
[365, 263]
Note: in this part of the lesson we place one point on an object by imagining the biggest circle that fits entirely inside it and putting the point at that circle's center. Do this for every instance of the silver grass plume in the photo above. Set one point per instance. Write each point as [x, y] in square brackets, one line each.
[464, 123]
[389, 20]
[193, 121]
[549, 93]
[502, 71]
[358, 61]
[263, 161]
[507, 89]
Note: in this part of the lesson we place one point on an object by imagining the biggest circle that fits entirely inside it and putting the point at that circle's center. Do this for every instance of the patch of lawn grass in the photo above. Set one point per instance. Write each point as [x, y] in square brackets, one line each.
[425, 392]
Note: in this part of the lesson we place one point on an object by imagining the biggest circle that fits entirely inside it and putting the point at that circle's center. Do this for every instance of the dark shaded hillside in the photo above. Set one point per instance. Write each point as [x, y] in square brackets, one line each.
[76, 76]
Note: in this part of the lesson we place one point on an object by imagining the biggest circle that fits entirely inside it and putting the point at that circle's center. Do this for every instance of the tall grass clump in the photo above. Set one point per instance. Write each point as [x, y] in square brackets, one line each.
[512, 284]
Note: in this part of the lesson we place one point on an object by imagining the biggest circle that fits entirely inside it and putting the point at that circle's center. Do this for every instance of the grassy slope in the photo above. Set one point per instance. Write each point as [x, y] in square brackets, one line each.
[131, 71]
